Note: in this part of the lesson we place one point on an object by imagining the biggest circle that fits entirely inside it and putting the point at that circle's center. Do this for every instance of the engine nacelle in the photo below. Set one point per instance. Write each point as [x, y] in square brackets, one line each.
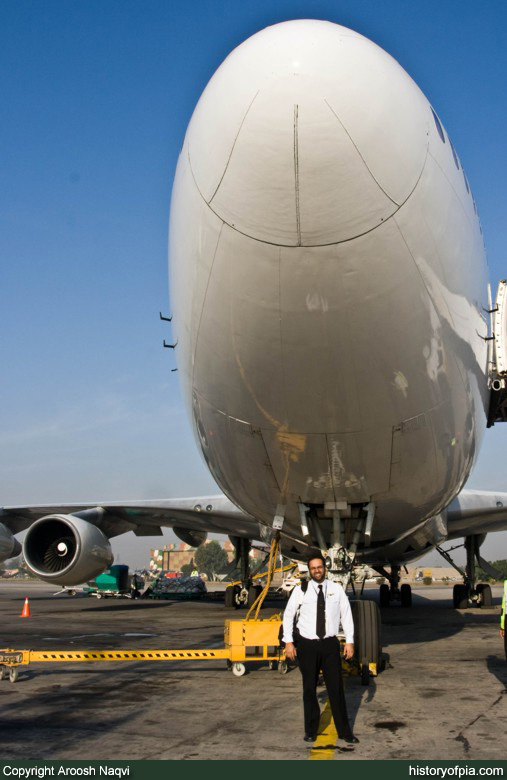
[9, 545]
[193, 538]
[66, 550]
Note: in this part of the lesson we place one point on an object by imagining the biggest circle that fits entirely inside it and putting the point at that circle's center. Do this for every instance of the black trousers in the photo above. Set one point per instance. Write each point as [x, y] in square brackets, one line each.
[314, 655]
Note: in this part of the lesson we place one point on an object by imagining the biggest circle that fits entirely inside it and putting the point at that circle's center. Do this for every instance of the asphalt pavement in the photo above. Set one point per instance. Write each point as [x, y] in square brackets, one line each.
[442, 694]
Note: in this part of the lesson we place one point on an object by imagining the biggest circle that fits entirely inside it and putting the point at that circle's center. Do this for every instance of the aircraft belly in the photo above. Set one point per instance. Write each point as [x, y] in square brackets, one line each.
[316, 468]
[236, 456]
[338, 358]
[327, 340]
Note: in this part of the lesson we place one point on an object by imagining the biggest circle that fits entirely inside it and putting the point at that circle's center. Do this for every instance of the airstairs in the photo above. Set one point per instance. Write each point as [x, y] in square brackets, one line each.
[498, 359]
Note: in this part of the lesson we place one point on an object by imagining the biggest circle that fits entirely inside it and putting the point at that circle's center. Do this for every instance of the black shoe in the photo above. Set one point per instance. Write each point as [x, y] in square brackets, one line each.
[310, 737]
[352, 740]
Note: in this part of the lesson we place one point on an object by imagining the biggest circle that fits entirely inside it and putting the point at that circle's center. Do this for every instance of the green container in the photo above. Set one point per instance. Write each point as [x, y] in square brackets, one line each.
[114, 579]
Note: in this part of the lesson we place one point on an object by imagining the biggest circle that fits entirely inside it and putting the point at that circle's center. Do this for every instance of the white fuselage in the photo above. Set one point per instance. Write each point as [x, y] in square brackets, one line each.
[328, 283]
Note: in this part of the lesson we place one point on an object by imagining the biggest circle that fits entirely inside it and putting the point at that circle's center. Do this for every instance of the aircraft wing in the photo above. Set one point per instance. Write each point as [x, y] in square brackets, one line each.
[476, 512]
[215, 514]
[472, 512]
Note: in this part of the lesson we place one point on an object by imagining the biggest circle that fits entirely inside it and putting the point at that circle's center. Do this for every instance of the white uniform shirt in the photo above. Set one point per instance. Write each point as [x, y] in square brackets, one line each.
[337, 611]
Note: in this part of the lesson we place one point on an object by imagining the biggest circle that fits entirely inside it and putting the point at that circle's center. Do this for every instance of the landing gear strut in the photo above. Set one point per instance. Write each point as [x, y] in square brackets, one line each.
[393, 592]
[244, 594]
[469, 593]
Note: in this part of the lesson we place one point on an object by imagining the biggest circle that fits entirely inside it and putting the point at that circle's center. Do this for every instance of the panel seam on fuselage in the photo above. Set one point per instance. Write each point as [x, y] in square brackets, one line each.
[473, 221]
[330, 465]
[280, 309]
[308, 246]
[296, 172]
[204, 302]
[232, 147]
[360, 155]
[299, 432]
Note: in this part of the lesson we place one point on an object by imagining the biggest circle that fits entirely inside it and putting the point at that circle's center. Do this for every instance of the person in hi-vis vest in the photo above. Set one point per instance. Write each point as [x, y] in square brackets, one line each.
[502, 618]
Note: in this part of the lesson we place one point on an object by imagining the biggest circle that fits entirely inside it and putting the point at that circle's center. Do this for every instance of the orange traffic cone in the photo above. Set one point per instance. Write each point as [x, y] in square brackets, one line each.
[26, 609]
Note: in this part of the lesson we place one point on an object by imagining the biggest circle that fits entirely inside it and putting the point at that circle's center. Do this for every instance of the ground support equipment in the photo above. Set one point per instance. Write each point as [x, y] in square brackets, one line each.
[246, 641]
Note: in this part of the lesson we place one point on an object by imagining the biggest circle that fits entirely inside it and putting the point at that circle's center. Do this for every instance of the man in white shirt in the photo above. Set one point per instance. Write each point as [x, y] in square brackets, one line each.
[317, 612]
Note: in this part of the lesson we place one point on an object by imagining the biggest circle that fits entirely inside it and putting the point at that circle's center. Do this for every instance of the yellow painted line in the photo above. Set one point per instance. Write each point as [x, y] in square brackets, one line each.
[325, 745]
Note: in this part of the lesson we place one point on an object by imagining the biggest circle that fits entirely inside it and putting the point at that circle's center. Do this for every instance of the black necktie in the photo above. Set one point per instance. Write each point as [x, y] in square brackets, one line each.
[321, 614]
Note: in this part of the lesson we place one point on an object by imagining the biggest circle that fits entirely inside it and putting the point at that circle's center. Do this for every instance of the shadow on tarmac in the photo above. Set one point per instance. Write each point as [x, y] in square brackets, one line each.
[497, 666]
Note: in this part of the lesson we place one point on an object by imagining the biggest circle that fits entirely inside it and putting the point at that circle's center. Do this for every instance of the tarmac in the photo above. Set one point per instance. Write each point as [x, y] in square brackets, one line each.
[442, 694]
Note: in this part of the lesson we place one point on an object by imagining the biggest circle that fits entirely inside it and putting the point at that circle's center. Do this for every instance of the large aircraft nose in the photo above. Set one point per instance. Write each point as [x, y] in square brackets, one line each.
[308, 134]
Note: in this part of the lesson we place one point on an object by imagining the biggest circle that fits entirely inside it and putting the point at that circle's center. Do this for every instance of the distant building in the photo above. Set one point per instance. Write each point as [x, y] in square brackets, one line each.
[173, 556]
[436, 573]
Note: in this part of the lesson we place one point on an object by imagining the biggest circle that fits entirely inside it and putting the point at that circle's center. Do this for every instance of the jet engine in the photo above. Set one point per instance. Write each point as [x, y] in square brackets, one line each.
[66, 550]
[9, 546]
[193, 538]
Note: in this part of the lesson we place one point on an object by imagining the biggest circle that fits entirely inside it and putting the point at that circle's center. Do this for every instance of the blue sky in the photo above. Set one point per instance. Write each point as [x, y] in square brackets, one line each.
[96, 99]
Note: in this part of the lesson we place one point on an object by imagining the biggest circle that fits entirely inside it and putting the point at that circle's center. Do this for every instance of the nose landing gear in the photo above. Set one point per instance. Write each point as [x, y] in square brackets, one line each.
[245, 592]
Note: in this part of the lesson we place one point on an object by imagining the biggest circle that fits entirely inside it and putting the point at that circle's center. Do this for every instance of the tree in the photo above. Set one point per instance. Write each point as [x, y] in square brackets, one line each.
[482, 576]
[501, 566]
[188, 568]
[211, 559]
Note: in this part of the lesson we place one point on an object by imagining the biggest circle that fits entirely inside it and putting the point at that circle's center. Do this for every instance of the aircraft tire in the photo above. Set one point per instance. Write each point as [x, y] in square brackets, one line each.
[237, 603]
[460, 596]
[486, 596]
[406, 595]
[384, 595]
[368, 644]
[253, 592]
[229, 597]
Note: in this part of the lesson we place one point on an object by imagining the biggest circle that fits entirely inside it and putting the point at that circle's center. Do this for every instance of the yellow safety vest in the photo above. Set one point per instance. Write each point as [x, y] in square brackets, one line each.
[504, 603]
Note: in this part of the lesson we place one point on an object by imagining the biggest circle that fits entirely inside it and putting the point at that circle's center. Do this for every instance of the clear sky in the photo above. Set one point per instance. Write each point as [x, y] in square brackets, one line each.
[96, 97]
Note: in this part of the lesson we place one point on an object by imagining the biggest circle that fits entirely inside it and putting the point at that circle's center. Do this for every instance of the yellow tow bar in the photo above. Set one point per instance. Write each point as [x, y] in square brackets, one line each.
[246, 641]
